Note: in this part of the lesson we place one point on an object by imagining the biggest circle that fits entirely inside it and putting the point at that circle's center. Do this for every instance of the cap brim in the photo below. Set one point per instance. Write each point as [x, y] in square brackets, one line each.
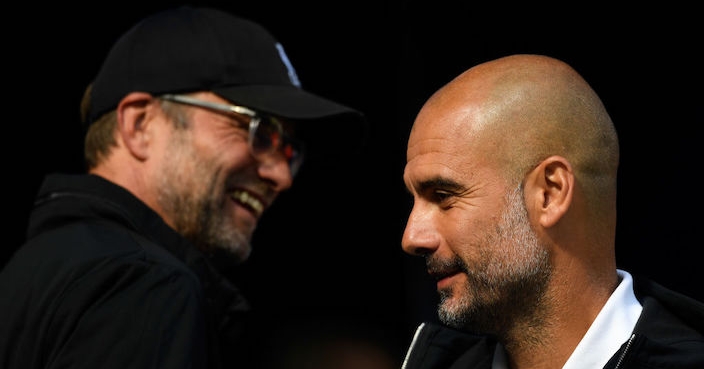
[284, 101]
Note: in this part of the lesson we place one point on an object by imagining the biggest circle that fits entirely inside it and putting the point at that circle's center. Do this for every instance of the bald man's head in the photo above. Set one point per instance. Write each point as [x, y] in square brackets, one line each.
[520, 109]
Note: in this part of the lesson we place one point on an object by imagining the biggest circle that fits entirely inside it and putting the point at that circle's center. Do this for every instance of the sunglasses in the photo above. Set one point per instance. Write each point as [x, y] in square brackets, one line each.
[265, 133]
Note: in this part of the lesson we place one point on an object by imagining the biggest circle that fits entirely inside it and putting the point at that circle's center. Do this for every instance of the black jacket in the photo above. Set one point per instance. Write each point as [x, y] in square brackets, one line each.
[669, 334]
[103, 282]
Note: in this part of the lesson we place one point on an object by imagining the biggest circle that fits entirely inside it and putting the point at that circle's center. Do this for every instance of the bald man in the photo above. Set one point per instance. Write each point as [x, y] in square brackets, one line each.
[512, 168]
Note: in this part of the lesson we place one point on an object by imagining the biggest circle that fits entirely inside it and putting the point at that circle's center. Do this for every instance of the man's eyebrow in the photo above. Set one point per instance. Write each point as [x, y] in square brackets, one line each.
[439, 183]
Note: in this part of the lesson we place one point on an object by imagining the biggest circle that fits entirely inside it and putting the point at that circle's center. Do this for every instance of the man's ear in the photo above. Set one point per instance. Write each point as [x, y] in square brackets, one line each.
[134, 113]
[550, 189]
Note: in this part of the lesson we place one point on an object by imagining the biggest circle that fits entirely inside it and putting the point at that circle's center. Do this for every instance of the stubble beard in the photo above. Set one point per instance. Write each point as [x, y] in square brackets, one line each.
[190, 193]
[506, 286]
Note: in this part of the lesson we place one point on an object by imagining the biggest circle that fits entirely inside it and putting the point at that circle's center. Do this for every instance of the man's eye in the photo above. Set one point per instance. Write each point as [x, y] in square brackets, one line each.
[440, 196]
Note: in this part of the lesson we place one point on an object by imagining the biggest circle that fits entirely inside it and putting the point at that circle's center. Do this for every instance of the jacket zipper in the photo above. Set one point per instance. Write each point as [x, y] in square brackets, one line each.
[625, 351]
[413, 345]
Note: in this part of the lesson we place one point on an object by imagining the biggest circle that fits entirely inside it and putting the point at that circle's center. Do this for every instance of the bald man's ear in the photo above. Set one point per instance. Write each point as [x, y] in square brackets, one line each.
[549, 190]
[134, 113]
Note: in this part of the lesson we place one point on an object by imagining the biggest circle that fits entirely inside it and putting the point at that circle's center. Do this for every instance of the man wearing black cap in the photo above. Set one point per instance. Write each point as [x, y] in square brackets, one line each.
[191, 127]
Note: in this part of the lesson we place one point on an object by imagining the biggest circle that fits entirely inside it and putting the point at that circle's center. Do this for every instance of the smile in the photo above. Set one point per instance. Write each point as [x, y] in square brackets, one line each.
[249, 201]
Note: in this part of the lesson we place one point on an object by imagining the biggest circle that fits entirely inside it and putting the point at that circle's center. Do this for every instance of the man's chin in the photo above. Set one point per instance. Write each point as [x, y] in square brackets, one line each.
[225, 258]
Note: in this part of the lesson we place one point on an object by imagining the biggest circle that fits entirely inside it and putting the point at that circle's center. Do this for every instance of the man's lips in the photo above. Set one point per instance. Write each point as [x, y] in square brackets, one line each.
[444, 276]
[446, 280]
[444, 271]
[249, 200]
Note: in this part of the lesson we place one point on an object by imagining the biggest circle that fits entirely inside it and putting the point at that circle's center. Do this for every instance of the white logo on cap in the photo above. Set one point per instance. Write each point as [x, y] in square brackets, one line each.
[291, 72]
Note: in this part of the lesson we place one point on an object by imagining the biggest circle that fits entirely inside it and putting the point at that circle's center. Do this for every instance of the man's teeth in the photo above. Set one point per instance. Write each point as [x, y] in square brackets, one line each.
[249, 200]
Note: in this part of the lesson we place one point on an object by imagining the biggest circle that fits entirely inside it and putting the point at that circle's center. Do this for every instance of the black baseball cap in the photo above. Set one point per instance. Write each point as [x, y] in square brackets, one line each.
[188, 49]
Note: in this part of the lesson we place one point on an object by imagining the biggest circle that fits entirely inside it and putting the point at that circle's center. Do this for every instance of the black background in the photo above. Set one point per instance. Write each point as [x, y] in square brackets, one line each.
[331, 245]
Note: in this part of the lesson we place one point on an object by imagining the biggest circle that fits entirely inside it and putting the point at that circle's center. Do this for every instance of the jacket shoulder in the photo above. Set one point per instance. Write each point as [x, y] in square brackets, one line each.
[437, 346]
